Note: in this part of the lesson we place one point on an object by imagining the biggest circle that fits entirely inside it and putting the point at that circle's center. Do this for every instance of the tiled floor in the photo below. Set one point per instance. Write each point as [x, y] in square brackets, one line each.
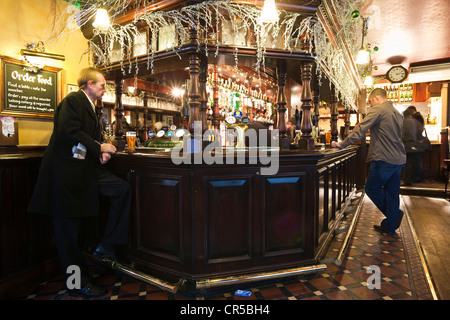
[401, 270]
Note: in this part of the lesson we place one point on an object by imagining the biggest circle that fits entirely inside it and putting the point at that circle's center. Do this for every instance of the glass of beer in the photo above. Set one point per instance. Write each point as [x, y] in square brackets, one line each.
[131, 141]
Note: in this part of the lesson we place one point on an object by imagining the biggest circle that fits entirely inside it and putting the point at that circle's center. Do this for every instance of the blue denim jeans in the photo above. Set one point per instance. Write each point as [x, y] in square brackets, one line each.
[383, 188]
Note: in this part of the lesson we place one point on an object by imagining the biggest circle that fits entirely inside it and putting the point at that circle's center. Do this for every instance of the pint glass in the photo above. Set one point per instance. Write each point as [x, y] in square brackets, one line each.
[131, 141]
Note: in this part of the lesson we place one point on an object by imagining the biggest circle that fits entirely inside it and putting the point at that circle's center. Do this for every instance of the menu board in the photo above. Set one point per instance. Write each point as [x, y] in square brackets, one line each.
[27, 91]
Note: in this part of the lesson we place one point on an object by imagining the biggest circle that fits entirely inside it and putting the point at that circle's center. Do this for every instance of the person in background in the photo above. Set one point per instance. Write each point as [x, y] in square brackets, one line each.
[71, 178]
[386, 156]
[411, 133]
[417, 170]
[290, 129]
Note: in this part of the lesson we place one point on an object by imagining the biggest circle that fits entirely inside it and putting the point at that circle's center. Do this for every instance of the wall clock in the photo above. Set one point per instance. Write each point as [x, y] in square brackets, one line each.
[397, 74]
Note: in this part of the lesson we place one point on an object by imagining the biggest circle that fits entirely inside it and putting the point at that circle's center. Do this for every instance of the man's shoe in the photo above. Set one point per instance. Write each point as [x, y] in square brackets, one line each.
[104, 254]
[400, 217]
[89, 291]
[381, 230]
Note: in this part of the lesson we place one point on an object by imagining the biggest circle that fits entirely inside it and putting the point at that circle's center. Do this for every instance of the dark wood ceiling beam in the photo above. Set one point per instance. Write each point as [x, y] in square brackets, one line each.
[307, 7]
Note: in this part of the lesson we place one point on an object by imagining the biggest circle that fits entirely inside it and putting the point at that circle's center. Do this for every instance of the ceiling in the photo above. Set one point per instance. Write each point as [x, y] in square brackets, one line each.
[407, 32]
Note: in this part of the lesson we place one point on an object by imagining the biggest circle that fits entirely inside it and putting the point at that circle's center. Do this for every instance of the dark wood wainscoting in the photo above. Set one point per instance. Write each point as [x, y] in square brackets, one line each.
[27, 250]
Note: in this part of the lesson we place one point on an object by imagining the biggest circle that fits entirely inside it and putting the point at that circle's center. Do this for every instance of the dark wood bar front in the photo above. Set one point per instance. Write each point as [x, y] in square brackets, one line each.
[197, 222]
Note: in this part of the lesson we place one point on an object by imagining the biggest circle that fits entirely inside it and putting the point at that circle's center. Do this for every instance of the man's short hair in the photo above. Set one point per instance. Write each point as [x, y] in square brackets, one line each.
[86, 75]
[412, 108]
[378, 92]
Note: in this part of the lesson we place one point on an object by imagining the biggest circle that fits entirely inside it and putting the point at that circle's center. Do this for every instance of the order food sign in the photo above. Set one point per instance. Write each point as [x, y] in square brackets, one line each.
[26, 92]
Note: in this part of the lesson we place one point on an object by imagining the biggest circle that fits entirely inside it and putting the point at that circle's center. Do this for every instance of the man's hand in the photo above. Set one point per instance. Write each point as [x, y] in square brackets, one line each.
[105, 157]
[107, 147]
[335, 144]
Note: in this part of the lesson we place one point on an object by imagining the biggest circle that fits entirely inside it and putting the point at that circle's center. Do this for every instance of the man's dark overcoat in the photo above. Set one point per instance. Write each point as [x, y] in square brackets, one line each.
[66, 186]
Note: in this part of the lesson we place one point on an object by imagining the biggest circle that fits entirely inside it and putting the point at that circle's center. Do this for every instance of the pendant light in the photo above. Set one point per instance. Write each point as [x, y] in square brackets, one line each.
[368, 81]
[269, 12]
[101, 22]
[363, 54]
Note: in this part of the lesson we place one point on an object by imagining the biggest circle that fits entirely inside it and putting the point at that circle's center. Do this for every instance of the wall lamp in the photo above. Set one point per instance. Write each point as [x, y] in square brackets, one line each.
[30, 53]
[35, 55]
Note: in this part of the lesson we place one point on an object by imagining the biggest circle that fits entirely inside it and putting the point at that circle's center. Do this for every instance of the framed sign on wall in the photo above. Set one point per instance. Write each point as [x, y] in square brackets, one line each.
[27, 92]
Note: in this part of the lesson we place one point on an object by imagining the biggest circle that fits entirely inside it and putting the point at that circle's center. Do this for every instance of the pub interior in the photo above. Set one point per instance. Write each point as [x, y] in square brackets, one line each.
[219, 207]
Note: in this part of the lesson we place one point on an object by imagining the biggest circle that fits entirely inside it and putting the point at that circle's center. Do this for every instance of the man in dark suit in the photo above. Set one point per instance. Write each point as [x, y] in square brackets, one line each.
[72, 177]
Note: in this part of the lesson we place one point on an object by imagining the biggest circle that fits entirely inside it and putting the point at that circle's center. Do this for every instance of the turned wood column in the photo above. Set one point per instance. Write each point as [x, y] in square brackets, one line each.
[306, 141]
[202, 78]
[334, 115]
[347, 123]
[216, 111]
[194, 87]
[145, 116]
[316, 104]
[281, 110]
[194, 95]
[119, 140]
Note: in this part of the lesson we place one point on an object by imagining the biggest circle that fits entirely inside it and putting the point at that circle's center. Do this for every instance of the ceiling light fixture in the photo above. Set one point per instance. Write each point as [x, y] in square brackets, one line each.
[363, 54]
[368, 81]
[101, 22]
[269, 12]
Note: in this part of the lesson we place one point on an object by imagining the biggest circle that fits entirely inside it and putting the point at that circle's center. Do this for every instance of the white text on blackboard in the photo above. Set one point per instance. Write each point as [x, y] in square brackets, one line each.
[28, 78]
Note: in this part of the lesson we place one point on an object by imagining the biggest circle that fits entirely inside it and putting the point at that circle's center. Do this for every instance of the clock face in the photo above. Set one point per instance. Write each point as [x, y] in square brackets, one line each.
[396, 74]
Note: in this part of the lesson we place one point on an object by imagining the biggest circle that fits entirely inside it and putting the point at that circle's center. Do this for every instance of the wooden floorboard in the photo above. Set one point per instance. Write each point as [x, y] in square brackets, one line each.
[430, 218]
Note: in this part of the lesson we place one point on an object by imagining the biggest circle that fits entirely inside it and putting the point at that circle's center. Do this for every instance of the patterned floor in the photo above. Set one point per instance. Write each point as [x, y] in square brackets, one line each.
[396, 259]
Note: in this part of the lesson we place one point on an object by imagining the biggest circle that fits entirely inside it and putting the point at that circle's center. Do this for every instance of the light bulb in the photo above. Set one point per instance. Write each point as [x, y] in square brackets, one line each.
[368, 81]
[269, 12]
[101, 20]
[363, 56]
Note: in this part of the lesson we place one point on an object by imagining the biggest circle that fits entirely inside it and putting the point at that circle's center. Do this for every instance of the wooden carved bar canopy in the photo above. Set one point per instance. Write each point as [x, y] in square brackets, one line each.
[228, 35]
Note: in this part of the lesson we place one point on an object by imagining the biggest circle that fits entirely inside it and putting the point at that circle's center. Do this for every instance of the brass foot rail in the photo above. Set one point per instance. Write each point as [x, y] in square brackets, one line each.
[172, 288]
[338, 260]
[209, 283]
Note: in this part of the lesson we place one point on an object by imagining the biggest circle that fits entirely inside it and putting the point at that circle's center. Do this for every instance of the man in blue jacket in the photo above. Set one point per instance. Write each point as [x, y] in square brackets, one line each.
[386, 156]
[72, 177]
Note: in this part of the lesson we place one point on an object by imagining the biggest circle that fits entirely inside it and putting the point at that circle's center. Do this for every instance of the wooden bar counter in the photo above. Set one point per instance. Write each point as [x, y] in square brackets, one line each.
[197, 222]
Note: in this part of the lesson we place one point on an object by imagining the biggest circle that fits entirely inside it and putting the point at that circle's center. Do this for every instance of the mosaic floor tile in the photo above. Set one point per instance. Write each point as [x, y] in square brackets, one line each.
[402, 276]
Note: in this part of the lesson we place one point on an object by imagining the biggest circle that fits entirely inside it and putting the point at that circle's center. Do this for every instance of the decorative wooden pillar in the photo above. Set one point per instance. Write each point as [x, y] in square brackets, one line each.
[347, 122]
[145, 98]
[194, 88]
[306, 141]
[281, 110]
[334, 115]
[216, 111]
[316, 104]
[119, 140]
[194, 103]
[202, 78]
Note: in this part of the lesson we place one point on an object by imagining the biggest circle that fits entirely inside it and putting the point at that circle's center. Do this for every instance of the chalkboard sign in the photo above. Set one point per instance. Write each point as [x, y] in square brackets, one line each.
[26, 92]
